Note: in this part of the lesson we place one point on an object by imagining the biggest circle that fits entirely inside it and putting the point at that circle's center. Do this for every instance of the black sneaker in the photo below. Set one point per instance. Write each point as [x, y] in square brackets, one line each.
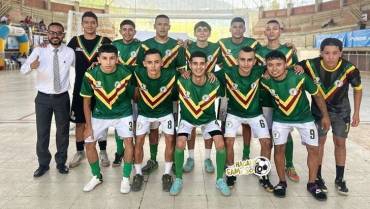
[321, 183]
[280, 189]
[230, 180]
[316, 191]
[166, 182]
[266, 184]
[341, 187]
[117, 160]
[150, 166]
[137, 182]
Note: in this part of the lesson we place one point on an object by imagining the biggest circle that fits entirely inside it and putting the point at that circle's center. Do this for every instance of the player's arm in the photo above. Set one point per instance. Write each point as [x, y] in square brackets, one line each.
[355, 80]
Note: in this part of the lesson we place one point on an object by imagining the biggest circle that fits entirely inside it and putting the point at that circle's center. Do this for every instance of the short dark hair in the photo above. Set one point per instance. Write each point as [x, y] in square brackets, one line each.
[161, 16]
[248, 49]
[198, 54]
[202, 24]
[275, 54]
[56, 24]
[127, 22]
[152, 51]
[331, 42]
[237, 19]
[89, 14]
[107, 48]
[273, 21]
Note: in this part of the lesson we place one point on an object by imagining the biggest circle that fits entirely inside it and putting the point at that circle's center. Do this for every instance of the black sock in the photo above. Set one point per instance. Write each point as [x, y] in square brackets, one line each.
[340, 173]
[80, 146]
[102, 145]
[283, 183]
[318, 175]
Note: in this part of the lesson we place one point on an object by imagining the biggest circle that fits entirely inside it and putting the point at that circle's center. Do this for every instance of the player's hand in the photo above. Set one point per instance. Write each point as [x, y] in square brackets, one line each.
[355, 119]
[88, 132]
[35, 64]
[185, 74]
[211, 77]
[325, 123]
[291, 45]
[298, 69]
[180, 42]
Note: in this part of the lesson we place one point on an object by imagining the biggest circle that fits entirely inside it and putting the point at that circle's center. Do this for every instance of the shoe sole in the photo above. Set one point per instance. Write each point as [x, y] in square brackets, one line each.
[279, 196]
[93, 188]
[209, 171]
[74, 165]
[342, 193]
[223, 194]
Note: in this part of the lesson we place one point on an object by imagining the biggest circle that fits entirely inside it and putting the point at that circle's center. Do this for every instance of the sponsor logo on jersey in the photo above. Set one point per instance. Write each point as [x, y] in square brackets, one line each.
[338, 83]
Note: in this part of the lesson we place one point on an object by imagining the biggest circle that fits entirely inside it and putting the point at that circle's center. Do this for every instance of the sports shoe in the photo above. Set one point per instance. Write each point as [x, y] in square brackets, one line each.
[266, 184]
[280, 189]
[208, 166]
[176, 187]
[166, 182]
[321, 183]
[95, 181]
[230, 180]
[222, 186]
[292, 174]
[316, 191]
[137, 182]
[341, 187]
[189, 165]
[104, 160]
[77, 158]
[117, 160]
[125, 185]
[150, 166]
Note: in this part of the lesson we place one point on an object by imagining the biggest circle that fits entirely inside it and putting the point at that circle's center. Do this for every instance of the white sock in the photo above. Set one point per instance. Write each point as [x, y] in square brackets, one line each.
[167, 167]
[191, 153]
[125, 179]
[207, 154]
[138, 169]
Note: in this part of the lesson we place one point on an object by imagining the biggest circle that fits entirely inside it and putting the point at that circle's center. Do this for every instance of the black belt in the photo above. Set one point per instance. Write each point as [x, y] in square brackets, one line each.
[53, 95]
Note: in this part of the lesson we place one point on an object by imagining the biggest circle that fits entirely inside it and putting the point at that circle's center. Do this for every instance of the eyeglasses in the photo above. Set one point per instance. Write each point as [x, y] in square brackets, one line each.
[53, 33]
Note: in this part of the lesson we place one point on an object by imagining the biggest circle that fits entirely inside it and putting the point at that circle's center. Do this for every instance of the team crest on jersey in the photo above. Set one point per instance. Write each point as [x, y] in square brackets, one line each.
[253, 85]
[133, 54]
[187, 95]
[139, 125]
[210, 57]
[228, 52]
[229, 124]
[235, 86]
[168, 52]
[317, 80]
[272, 92]
[163, 89]
[143, 87]
[98, 84]
[275, 134]
[117, 84]
[338, 83]
[293, 91]
[205, 97]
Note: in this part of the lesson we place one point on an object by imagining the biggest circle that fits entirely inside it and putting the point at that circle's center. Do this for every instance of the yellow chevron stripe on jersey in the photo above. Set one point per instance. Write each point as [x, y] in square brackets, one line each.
[196, 110]
[187, 54]
[334, 87]
[254, 44]
[289, 57]
[145, 47]
[243, 100]
[289, 104]
[108, 99]
[92, 54]
[228, 57]
[168, 58]
[212, 63]
[154, 101]
[131, 60]
[261, 59]
[336, 67]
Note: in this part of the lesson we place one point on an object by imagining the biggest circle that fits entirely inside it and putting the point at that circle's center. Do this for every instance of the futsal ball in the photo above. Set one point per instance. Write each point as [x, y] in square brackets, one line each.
[262, 166]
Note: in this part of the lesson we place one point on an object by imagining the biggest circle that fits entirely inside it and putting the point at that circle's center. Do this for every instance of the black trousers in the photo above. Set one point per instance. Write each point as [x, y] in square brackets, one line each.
[46, 105]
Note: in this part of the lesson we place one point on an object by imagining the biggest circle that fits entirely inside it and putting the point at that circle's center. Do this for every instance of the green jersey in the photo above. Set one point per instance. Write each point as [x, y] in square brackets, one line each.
[197, 103]
[156, 94]
[243, 92]
[230, 51]
[291, 57]
[212, 51]
[173, 55]
[291, 103]
[127, 53]
[333, 84]
[112, 92]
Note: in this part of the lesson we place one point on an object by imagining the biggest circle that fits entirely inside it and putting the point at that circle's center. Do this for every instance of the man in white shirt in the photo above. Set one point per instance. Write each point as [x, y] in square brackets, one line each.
[52, 65]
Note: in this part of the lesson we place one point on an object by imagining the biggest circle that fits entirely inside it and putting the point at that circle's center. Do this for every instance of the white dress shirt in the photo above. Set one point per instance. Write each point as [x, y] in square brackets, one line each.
[45, 73]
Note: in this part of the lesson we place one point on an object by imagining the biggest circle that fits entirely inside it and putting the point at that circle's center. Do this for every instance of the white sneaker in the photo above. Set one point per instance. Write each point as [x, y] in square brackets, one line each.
[77, 158]
[125, 185]
[95, 181]
[104, 160]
